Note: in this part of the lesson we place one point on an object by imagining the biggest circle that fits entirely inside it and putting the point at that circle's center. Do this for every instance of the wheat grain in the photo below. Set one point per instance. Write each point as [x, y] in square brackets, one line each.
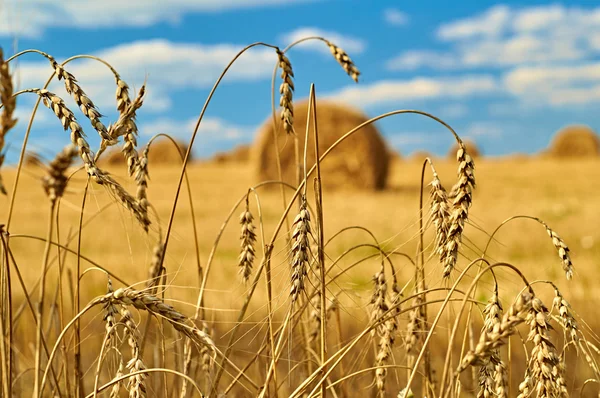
[247, 241]
[567, 319]
[9, 102]
[344, 60]
[440, 214]
[489, 341]
[462, 198]
[55, 181]
[156, 267]
[301, 254]
[136, 385]
[492, 379]
[545, 364]
[83, 101]
[287, 91]
[563, 251]
[155, 306]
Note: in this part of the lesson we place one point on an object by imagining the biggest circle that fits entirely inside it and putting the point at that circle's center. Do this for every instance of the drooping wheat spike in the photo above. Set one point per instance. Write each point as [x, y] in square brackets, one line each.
[567, 319]
[127, 127]
[110, 313]
[110, 321]
[462, 197]
[114, 391]
[247, 241]
[545, 365]
[525, 386]
[57, 105]
[156, 268]
[315, 316]
[414, 327]
[55, 181]
[122, 94]
[563, 251]
[128, 201]
[141, 180]
[147, 302]
[7, 121]
[490, 341]
[287, 91]
[385, 330]
[344, 60]
[378, 302]
[492, 378]
[83, 101]
[136, 385]
[440, 214]
[205, 352]
[301, 253]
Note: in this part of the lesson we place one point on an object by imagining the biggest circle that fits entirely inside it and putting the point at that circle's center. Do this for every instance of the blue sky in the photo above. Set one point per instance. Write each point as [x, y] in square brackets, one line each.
[507, 75]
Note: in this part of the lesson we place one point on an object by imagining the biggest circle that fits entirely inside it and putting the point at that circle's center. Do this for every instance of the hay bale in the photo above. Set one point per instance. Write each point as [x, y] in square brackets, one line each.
[360, 162]
[239, 154]
[162, 151]
[472, 149]
[575, 141]
[420, 156]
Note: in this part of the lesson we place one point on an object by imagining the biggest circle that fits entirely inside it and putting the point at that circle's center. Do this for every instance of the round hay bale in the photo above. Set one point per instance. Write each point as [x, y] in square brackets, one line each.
[359, 162]
[162, 151]
[420, 156]
[239, 154]
[472, 149]
[575, 141]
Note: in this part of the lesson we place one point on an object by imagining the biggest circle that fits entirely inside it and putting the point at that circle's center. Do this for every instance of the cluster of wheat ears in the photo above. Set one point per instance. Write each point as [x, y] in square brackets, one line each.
[306, 349]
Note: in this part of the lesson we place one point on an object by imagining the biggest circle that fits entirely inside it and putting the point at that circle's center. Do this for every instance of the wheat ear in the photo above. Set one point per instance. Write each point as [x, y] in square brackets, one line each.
[462, 198]
[9, 102]
[287, 91]
[344, 60]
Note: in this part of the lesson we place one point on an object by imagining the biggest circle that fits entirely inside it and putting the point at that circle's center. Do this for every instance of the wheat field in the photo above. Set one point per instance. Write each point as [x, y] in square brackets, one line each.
[203, 281]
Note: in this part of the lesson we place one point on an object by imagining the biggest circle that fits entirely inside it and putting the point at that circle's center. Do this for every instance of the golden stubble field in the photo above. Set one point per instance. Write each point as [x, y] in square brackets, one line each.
[562, 193]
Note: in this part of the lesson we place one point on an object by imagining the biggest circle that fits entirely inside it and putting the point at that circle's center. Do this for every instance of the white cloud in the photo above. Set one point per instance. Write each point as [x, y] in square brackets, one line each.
[395, 17]
[576, 84]
[411, 60]
[32, 17]
[491, 23]
[211, 128]
[351, 45]
[416, 89]
[167, 66]
[503, 36]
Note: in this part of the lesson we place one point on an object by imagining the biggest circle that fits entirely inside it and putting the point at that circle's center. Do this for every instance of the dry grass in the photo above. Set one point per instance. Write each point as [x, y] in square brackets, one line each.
[308, 317]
